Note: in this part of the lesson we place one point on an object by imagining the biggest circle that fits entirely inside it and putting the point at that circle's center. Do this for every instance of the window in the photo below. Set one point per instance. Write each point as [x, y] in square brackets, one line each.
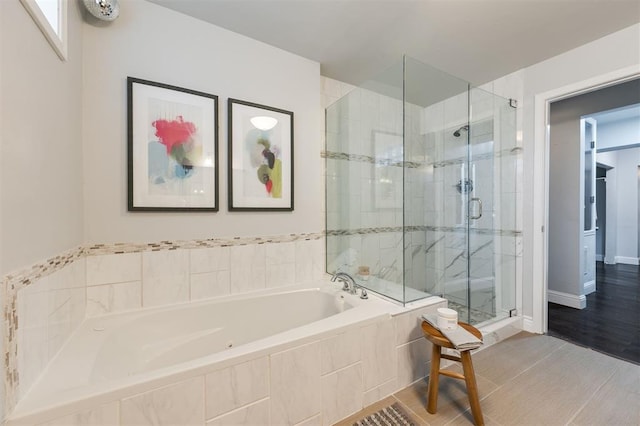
[51, 18]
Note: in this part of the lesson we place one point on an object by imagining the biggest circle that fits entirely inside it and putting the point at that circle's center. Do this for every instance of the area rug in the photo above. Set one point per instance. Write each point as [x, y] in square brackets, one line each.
[392, 415]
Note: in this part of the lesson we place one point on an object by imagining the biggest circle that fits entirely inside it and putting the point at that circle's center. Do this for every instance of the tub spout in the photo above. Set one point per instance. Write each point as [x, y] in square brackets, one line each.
[349, 283]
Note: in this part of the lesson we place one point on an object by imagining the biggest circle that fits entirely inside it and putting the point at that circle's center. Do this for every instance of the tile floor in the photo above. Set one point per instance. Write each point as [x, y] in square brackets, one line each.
[532, 379]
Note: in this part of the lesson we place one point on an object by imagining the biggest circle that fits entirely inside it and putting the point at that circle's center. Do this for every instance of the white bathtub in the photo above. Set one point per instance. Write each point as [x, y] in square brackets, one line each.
[113, 357]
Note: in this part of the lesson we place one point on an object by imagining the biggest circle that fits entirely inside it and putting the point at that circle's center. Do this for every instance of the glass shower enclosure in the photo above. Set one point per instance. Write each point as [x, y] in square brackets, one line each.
[421, 190]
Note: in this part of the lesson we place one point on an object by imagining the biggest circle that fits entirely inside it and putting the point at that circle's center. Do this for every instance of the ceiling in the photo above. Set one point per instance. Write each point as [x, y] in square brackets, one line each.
[476, 40]
[625, 113]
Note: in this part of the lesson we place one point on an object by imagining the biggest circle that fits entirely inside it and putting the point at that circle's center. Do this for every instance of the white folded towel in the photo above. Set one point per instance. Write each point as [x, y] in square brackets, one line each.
[460, 338]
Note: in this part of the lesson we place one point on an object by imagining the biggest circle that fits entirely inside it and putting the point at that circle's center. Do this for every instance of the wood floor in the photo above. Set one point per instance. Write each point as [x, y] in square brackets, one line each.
[531, 380]
[611, 321]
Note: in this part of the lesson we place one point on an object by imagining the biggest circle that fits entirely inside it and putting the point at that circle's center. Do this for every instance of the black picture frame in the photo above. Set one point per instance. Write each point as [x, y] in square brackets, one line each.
[260, 158]
[172, 148]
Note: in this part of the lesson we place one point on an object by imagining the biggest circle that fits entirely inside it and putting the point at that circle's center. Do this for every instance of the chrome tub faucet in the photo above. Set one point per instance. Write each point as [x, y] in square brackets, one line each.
[349, 284]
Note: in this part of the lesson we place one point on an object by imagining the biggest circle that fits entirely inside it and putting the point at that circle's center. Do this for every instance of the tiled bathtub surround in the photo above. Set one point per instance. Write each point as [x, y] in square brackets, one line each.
[317, 380]
[44, 304]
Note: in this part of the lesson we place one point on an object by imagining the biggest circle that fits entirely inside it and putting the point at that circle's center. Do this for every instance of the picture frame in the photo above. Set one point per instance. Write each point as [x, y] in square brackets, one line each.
[260, 157]
[172, 147]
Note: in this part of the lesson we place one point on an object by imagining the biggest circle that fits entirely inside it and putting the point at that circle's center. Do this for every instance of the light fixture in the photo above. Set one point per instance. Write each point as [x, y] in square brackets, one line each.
[105, 10]
[263, 122]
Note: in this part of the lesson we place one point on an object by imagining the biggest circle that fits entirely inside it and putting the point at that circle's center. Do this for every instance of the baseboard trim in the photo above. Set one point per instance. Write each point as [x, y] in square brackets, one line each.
[527, 324]
[566, 299]
[590, 287]
[599, 258]
[627, 260]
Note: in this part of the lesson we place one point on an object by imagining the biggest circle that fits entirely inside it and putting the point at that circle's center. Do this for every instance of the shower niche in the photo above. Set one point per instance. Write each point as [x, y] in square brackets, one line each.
[421, 190]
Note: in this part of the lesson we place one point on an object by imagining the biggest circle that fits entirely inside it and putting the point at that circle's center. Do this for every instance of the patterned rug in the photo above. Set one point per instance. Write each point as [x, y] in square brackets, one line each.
[392, 415]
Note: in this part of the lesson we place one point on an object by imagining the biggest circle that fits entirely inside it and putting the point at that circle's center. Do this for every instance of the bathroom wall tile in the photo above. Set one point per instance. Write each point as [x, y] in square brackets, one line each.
[340, 351]
[104, 415]
[33, 304]
[178, 404]
[380, 392]
[62, 303]
[210, 284]
[37, 318]
[165, 277]
[342, 394]
[378, 353]
[250, 415]
[310, 261]
[248, 268]
[233, 387]
[413, 361]
[280, 264]
[33, 355]
[165, 263]
[280, 253]
[209, 259]
[114, 268]
[109, 298]
[278, 275]
[248, 279]
[165, 290]
[408, 324]
[295, 384]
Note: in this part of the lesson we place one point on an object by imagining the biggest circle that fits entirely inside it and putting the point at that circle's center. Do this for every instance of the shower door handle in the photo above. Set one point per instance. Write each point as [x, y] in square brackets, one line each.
[479, 215]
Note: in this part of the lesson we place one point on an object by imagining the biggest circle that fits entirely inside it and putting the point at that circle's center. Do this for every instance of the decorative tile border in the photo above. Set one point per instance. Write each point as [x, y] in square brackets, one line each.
[455, 229]
[14, 282]
[331, 155]
[120, 248]
[369, 159]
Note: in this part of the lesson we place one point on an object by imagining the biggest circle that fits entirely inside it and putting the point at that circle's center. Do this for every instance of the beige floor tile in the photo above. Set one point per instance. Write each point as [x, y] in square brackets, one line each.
[504, 361]
[452, 398]
[553, 390]
[615, 403]
[465, 419]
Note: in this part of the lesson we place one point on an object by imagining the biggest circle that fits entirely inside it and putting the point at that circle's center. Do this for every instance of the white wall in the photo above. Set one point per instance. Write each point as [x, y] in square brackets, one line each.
[151, 42]
[619, 133]
[41, 163]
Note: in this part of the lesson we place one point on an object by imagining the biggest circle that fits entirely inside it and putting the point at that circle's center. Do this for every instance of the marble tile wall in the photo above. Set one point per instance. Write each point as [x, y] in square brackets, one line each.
[45, 303]
[318, 382]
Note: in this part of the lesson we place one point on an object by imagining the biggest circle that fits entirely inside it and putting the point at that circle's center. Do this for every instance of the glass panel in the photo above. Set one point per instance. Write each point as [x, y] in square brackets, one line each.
[493, 157]
[364, 184]
[421, 190]
[436, 120]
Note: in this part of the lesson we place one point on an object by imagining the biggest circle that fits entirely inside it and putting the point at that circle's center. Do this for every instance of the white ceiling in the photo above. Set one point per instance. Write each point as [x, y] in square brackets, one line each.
[625, 113]
[476, 40]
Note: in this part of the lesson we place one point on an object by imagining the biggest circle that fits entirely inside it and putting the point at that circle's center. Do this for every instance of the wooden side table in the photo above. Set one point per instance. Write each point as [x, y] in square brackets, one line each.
[439, 341]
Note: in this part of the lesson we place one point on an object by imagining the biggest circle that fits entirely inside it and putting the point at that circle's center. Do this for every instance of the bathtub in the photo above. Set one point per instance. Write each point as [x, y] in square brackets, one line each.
[118, 356]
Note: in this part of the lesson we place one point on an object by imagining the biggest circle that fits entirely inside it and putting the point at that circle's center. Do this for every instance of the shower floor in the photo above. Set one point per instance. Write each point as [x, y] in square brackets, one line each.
[470, 315]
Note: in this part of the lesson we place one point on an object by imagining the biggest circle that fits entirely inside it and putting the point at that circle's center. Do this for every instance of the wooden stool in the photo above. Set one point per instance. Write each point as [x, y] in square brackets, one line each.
[439, 341]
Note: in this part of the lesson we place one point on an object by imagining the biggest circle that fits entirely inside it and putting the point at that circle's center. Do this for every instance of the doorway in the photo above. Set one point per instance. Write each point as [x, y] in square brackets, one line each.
[607, 317]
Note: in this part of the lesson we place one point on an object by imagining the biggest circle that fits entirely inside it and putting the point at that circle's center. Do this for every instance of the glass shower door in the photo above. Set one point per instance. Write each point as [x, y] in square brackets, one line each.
[490, 202]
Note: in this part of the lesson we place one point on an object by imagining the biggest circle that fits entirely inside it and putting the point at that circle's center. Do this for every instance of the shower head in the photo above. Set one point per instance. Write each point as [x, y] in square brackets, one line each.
[457, 132]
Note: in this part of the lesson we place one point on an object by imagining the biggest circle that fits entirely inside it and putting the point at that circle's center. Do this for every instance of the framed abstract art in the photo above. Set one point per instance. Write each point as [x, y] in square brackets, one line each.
[260, 168]
[172, 148]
